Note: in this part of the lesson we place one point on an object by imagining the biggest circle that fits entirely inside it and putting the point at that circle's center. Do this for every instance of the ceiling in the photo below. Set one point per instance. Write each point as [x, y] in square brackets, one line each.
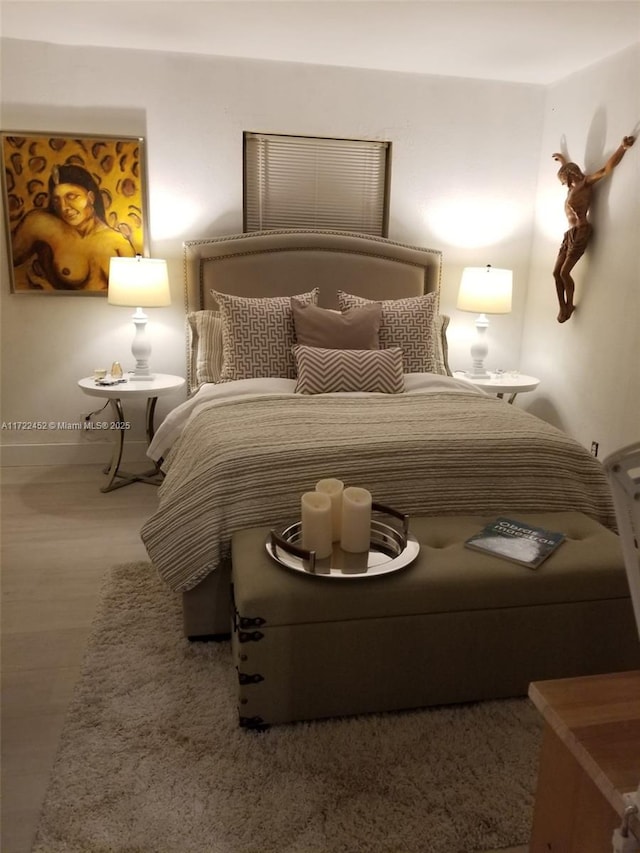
[533, 41]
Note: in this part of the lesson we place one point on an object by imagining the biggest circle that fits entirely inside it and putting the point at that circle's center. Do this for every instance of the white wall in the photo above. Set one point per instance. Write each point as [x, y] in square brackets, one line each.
[590, 366]
[466, 157]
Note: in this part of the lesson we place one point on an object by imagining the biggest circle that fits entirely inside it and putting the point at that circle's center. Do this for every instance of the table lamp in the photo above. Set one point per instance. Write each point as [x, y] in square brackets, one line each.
[141, 283]
[484, 290]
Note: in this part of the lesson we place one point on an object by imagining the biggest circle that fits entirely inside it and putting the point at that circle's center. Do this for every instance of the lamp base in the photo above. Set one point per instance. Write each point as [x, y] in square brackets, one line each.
[479, 349]
[141, 377]
[141, 349]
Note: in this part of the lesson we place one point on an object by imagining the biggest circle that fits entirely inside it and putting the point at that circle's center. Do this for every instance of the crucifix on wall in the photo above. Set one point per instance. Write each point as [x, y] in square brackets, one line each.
[576, 207]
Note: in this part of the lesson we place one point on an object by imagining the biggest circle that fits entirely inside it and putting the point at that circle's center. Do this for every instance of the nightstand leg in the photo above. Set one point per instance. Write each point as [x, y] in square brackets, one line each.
[118, 478]
[512, 397]
[112, 469]
[151, 410]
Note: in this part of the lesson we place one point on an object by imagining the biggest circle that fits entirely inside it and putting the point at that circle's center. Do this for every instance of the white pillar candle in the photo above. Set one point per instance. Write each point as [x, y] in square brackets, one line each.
[316, 523]
[356, 520]
[334, 489]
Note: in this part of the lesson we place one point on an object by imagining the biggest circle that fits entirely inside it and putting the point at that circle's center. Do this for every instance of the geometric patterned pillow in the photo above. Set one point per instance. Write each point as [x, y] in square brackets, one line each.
[257, 335]
[406, 323]
[323, 371]
[206, 347]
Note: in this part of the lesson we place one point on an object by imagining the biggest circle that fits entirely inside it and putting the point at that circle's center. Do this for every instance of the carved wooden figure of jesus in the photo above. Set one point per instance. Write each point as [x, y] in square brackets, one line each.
[576, 207]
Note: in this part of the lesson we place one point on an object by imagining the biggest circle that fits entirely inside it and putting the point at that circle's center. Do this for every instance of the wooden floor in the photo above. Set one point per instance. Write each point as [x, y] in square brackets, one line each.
[60, 535]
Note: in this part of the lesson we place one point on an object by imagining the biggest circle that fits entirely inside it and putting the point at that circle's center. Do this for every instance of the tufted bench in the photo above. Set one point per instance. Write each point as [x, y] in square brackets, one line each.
[454, 626]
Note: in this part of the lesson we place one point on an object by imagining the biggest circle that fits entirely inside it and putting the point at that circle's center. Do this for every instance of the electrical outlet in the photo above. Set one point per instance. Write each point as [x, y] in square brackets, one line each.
[594, 448]
[88, 432]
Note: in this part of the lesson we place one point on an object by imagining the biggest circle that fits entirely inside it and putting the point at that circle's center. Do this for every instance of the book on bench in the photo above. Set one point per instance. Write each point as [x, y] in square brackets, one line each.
[516, 541]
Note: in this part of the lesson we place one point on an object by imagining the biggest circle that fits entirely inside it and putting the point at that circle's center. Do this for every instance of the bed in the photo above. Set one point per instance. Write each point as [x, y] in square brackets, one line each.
[349, 380]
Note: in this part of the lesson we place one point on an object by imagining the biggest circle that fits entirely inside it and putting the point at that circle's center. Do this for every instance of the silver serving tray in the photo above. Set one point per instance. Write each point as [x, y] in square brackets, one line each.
[392, 548]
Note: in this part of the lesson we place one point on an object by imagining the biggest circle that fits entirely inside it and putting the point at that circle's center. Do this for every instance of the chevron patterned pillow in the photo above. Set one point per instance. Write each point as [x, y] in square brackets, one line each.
[406, 323]
[257, 335]
[322, 371]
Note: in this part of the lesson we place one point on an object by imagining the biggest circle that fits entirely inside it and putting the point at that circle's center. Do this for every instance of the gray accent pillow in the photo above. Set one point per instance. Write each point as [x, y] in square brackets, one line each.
[205, 347]
[257, 335]
[406, 323]
[355, 328]
[322, 371]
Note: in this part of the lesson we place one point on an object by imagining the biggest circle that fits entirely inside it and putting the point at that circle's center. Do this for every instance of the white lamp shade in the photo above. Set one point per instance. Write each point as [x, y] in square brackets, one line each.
[485, 290]
[139, 282]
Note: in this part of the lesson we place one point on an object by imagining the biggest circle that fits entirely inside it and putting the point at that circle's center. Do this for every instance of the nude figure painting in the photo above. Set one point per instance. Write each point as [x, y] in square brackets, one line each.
[71, 204]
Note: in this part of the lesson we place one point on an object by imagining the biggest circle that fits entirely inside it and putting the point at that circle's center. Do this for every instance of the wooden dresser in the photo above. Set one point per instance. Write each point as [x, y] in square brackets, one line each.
[589, 761]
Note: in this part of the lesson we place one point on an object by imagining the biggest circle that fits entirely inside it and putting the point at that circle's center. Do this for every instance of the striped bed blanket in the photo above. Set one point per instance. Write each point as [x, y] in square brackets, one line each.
[245, 462]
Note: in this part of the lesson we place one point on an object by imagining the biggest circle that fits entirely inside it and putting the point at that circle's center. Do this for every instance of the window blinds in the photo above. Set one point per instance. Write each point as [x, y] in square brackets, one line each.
[306, 182]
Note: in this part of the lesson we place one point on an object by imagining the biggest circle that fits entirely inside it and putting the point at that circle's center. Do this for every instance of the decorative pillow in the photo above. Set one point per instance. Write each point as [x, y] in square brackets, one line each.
[205, 351]
[442, 346]
[321, 371]
[355, 328]
[257, 335]
[406, 323]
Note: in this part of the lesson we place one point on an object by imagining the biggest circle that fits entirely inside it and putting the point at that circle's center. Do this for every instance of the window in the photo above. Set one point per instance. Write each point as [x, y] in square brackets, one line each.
[308, 182]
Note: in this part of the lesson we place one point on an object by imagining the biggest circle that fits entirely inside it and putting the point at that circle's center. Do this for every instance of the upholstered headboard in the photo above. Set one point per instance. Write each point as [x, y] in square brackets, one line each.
[283, 263]
[286, 263]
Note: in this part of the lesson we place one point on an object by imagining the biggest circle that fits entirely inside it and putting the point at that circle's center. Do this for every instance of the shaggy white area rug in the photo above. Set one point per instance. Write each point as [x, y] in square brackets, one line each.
[152, 759]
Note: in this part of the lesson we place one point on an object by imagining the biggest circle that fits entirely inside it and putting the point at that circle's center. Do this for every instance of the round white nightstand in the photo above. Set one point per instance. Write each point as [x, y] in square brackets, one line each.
[503, 384]
[149, 389]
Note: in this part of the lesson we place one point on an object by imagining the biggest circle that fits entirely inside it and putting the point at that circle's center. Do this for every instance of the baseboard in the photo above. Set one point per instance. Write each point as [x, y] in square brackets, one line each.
[58, 453]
